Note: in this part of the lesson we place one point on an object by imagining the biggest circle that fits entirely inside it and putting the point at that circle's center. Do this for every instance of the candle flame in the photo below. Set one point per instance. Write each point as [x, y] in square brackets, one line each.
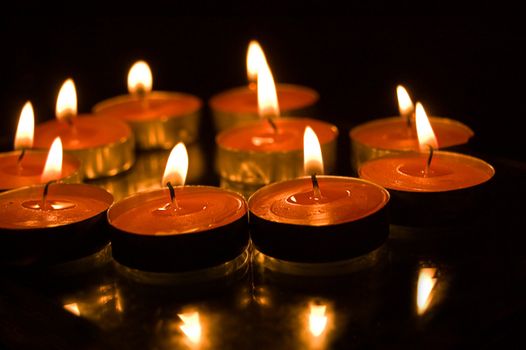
[73, 308]
[405, 105]
[255, 60]
[53, 167]
[66, 107]
[25, 128]
[176, 166]
[425, 287]
[140, 78]
[191, 326]
[267, 96]
[312, 157]
[317, 319]
[426, 136]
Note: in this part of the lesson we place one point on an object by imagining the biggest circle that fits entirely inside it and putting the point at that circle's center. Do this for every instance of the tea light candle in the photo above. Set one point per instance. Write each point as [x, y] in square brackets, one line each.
[240, 105]
[105, 146]
[23, 167]
[179, 228]
[397, 134]
[268, 150]
[318, 218]
[52, 223]
[429, 186]
[158, 119]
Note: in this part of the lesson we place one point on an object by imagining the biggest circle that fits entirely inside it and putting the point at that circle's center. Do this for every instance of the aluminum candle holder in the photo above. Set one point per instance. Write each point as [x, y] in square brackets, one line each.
[73, 226]
[33, 164]
[245, 167]
[239, 106]
[158, 121]
[388, 136]
[209, 228]
[350, 219]
[452, 191]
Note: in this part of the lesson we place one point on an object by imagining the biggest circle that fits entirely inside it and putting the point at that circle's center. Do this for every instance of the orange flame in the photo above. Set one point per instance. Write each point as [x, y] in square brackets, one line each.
[426, 136]
[176, 166]
[53, 167]
[255, 60]
[140, 78]
[25, 128]
[66, 107]
[191, 326]
[312, 157]
[267, 96]
[405, 105]
[425, 287]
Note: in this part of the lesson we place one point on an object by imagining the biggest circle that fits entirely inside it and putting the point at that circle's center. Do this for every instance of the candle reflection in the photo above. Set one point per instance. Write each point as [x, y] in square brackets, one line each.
[317, 325]
[191, 326]
[101, 305]
[73, 308]
[425, 288]
[317, 319]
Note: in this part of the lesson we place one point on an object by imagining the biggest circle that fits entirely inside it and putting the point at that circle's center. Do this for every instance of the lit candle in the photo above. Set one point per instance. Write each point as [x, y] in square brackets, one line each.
[52, 223]
[270, 149]
[239, 105]
[23, 167]
[429, 186]
[178, 228]
[397, 134]
[159, 119]
[318, 218]
[105, 146]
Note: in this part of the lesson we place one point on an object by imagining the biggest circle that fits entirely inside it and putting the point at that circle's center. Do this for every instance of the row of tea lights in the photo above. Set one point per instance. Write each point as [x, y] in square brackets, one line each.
[311, 218]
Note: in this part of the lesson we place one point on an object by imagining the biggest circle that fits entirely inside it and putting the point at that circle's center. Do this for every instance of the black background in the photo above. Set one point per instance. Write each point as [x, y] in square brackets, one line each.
[467, 68]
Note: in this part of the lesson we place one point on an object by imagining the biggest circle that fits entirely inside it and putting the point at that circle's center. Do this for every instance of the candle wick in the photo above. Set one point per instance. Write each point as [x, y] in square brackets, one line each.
[429, 159]
[408, 119]
[173, 200]
[141, 94]
[315, 186]
[69, 119]
[272, 124]
[19, 160]
[44, 194]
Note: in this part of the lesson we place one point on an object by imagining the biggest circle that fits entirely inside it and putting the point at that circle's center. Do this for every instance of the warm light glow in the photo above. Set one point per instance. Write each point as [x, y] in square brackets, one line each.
[140, 78]
[426, 136]
[425, 286]
[66, 101]
[312, 158]
[26, 127]
[255, 60]
[405, 105]
[191, 326]
[176, 166]
[267, 96]
[317, 319]
[73, 308]
[53, 167]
